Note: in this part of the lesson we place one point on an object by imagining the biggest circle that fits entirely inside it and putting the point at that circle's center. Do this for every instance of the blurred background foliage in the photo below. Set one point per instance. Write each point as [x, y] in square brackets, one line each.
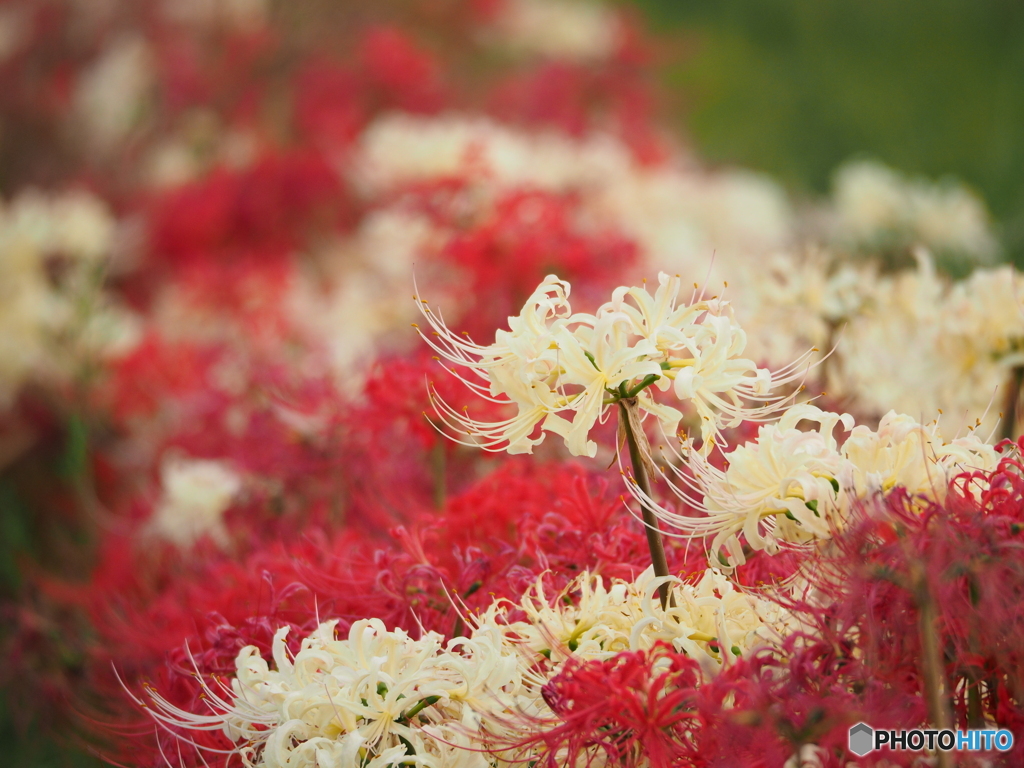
[795, 87]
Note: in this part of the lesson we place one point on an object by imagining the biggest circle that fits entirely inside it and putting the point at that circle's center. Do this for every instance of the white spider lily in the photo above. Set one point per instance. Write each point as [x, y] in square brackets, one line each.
[520, 365]
[376, 698]
[791, 487]
[780, 488]
[710, 619]
[195, 495]
[562, 370]
[904, 453]
[699, 346]
[600, 357]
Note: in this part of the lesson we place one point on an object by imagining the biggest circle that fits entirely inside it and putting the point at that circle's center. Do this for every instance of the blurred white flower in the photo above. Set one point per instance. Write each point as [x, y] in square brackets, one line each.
[195, 494]
[947, 217]
[351, 310]
[401, 149]
[887, 349]
[171, 163]
[986, 311]
[110, 94]
[684, 218]
[574, 30]
[73, 224]
[792, 303]
[922, 345]
[37, 310]
[876, 207]
[240, 15]
[871, 200]
[26, 306]
[82, 226]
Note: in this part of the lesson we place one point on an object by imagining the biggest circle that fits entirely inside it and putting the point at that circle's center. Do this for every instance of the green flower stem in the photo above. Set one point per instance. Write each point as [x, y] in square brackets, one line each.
[423, 704]
[647, 381]
[654, 541]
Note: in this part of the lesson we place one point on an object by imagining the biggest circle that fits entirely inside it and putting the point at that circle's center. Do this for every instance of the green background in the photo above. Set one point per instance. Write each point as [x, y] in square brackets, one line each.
[795, 87]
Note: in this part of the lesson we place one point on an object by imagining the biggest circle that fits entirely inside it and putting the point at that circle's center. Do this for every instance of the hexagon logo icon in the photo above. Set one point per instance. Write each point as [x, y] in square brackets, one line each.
[862, 739]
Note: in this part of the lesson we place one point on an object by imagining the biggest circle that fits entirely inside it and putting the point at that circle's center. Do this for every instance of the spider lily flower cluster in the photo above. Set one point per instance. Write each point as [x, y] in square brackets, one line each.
[790, 487]
[710, 620]
[379, 697]
[562, 370]
[375, 698]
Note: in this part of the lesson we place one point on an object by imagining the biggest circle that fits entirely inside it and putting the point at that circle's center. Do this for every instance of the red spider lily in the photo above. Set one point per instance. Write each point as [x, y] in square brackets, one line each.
[528, 235]
[406, 76]
[329, 110]
[148, 605]
[502, 248]
[264, 210]
[390, 432]
[174, 622]
[904, 555]
[334, 100]
[578, 98]
[634, 709]
[568, 520]
[495, 539]
[764, 709]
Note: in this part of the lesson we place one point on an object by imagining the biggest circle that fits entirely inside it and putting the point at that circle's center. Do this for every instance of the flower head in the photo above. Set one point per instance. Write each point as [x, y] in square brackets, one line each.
[793, 486]
[375, 698]
[710, 620]
[631, 709]
[553, 364]
[196, 493]
[781, 487]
